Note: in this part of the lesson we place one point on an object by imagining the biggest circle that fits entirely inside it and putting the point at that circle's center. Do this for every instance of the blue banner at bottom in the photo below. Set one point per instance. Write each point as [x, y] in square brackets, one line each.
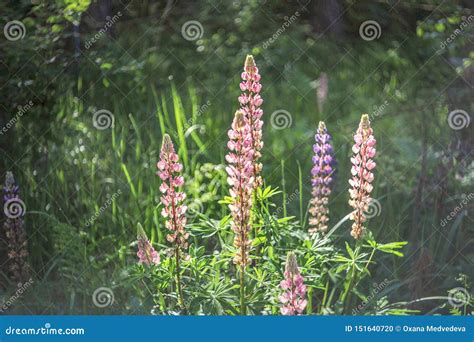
[242, 329]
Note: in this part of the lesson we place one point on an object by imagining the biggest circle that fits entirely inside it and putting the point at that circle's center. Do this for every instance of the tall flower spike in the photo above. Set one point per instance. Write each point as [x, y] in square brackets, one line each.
[294, 295]
[174, 210]
[146, 253]
[322, 172]
[362, 176]
[250, 102]
[240, 179]
[14, 230]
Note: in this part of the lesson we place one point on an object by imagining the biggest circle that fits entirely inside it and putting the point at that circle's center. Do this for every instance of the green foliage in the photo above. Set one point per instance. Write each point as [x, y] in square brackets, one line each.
[156, 82]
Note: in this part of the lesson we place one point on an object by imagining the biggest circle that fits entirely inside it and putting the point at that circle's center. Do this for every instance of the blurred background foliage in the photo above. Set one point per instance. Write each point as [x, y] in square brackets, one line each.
[153, 80]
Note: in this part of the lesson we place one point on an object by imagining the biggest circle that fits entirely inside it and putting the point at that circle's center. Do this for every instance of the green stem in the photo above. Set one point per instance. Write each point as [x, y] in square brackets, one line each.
[178, 282]
[243, 309]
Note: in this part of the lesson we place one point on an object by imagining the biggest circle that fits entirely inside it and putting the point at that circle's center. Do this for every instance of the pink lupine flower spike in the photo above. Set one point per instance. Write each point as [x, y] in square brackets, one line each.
[250, 102]
[174, 210]
[362, 175]
[146, 253]
[240, 179]
[294, 295]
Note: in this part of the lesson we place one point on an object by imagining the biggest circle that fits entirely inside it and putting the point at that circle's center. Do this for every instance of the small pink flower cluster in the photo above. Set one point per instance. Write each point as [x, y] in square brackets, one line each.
[174, 210]
[146, 253]
[293, 297]
[240, 178]
[362, 176]
[250, 102]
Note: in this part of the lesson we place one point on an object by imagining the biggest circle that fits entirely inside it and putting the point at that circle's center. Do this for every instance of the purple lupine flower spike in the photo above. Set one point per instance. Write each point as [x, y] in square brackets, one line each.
[14, 209]
[322, 177]
[146, 253]
[294, 295]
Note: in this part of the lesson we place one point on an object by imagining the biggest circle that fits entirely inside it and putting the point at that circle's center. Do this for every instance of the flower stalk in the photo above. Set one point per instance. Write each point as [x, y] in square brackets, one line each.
[250, 102]
[14, 210]
[362, 175]
[174, 210]
[240, 178]
[146, 253]
[294, 296]
[322, 172]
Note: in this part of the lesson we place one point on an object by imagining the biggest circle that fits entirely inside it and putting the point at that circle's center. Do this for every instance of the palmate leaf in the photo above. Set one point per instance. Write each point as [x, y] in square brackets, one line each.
[267, 193]
[390, 248]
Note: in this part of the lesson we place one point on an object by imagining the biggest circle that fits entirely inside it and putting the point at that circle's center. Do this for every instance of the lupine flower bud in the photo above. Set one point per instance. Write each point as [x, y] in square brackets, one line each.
[322, 172]
[294, 295]
[362, 176]
[14, 230]
[240, 179]
[146, 253]
[250, 102]
[174, 210]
